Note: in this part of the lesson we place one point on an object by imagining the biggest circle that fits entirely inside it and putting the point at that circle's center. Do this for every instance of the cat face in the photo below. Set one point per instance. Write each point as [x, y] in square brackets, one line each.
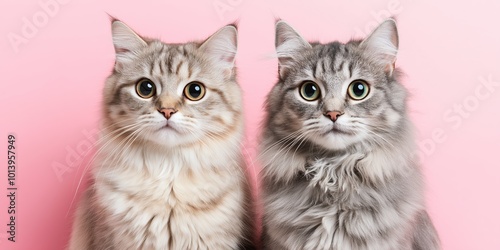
[336, 95]
[172, 94]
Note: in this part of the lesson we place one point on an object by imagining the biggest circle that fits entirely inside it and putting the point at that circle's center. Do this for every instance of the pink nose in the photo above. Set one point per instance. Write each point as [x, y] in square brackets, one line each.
[333, 115]
[168, 112]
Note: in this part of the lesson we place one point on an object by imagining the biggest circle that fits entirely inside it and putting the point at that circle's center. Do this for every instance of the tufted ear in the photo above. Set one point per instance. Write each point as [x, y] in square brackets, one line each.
[221, 47]
[382, 45]
[289, 44]
[126, 42]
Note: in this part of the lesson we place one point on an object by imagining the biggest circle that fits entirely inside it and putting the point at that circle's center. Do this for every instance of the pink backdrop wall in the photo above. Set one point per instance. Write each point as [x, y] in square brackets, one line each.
[55, 55]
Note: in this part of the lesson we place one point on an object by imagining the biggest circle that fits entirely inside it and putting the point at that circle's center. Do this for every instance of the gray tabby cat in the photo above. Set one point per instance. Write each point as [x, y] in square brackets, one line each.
[169, 173]
[337, 149]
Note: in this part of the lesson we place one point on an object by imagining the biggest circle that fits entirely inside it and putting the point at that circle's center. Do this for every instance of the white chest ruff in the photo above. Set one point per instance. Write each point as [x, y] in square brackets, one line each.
[177, 209]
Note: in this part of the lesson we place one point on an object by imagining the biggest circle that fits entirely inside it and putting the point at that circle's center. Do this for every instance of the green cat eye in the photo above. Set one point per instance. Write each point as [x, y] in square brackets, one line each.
[358, 90]
[194, 91]
[309, 90]
[145, 88]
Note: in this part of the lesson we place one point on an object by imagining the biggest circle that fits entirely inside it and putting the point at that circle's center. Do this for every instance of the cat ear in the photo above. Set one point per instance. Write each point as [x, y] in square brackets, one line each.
[382, 45]
[221, 47]
[289, 44]
[126, 41]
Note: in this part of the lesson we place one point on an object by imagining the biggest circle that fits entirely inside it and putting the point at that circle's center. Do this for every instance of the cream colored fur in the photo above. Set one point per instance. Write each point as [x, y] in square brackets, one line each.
[174, 182]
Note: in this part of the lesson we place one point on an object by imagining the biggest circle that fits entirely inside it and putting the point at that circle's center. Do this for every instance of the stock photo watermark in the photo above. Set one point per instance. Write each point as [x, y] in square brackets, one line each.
[75, 154]
[455, 116]
[31, 25]
[12, 167]
[222, 7]
[393, 8]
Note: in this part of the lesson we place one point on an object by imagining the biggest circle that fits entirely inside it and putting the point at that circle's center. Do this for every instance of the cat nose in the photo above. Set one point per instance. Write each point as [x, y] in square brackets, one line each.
[333, 115]
[168, 112]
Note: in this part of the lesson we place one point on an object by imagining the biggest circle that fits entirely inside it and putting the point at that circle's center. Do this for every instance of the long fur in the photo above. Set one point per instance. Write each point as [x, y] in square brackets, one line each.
[350, 184]
[177, 187]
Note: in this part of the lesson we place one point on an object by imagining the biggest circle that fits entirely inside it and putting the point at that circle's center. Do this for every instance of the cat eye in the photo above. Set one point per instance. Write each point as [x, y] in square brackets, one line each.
[194, 91]
[145, 88]
[358, 90]
[309, 90]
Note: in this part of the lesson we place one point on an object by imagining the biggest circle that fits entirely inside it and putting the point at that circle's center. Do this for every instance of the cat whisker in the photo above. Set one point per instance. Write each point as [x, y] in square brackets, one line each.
[297, 148]
[288, 146]
[116, 134]
[301, 138]
[113, 156]
[213, 137]
[102, 138]
[126, 145]
[280, 141]
[386, 132]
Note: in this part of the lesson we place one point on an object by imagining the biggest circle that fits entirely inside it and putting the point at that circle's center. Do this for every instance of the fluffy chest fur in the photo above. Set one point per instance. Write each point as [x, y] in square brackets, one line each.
[176, 207]
[365, 196]
[343, 202]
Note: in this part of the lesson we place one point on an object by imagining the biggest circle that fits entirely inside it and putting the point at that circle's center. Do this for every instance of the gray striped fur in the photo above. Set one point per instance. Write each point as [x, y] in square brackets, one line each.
[357, 189]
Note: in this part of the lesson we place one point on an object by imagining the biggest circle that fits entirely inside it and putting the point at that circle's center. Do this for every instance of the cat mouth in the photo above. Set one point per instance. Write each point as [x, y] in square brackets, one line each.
[168, 127]
[337, 130]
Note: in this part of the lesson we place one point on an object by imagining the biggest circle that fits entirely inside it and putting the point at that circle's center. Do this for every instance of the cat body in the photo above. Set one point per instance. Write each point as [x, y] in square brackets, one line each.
[169, 173]
[337, 149]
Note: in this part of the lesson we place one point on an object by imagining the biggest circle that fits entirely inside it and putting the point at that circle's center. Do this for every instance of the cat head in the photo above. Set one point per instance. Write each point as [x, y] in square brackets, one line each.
[337, 95]
[172, 94]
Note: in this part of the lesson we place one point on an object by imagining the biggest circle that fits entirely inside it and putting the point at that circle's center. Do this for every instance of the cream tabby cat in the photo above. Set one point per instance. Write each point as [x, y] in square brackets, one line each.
[169, 172]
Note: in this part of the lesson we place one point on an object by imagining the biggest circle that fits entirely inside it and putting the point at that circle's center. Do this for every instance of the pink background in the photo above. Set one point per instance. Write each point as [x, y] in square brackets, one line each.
[51, 91]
